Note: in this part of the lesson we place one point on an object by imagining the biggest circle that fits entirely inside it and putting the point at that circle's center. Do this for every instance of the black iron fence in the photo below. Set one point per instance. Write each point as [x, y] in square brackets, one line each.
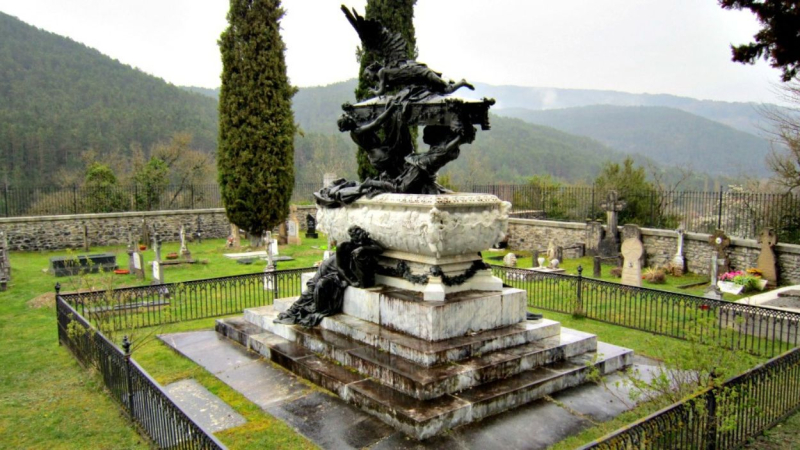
[722, 417]
[17, 201]
[146, 306]
[760, 331]
[740, 214]
[142, 398]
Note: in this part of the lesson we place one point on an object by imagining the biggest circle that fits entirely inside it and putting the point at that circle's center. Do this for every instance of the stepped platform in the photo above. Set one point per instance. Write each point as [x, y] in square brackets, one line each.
[426, 379]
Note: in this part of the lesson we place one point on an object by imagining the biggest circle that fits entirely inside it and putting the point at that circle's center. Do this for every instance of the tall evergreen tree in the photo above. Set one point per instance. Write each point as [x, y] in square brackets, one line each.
[398, 17]
[256, 124]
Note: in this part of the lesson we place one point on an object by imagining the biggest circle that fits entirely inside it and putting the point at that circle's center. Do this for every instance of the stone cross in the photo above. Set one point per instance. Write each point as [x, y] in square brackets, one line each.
[712, 291]
[632, 251]
[157, 247]
[185, 253]
[678, 262]
[199, 231]
[767, 262]
[612, 206]
[720, 242]
[268, 249]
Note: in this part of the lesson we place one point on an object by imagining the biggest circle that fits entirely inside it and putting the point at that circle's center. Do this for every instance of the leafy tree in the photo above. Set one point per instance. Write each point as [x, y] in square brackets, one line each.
[397, 16]
[150, 181]
[101, 190]
[778, 41]
[785, 164]
[643, 202]
[256, 128]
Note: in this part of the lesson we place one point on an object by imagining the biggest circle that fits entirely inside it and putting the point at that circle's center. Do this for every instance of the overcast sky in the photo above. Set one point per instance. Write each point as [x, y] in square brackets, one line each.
[676, 47]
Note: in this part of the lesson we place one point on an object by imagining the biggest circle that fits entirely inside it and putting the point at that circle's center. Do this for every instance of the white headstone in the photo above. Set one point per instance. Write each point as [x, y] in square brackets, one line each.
[632, 250]
[158, 273]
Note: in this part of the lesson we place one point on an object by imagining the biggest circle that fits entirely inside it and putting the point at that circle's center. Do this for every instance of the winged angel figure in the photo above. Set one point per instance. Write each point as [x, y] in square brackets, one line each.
[397, 71]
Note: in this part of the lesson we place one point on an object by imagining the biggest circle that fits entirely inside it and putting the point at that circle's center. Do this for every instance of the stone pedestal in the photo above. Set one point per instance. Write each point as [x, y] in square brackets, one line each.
[432, 242]
[426, 367]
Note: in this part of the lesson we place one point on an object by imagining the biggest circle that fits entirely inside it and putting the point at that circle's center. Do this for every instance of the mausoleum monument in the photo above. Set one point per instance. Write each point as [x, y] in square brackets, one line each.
[405, 320]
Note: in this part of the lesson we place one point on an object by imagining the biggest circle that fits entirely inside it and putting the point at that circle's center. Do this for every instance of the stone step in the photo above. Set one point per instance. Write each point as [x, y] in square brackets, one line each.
[426, 383]
[426, 418]
[423, 419]
[422, 352]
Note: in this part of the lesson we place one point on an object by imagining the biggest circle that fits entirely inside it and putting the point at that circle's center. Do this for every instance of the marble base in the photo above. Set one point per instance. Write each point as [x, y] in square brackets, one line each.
[461, 314]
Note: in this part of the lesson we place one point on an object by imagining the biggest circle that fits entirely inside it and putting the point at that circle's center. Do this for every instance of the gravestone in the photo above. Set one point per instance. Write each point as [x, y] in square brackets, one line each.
[609, 246]
[678, 263]
[594, 235]
[158, 270]
[328, 179]
[198, 232]
[144, 237]
[631, 231]
[720, 242]
[767, 263]
[293, 227]
[510, 260]
[597, 267]
[311, 227]
[5, 265]
[712, 291]
[185, 254]
[551, 251]
[632, 250]
[137, 265]
[62, 266]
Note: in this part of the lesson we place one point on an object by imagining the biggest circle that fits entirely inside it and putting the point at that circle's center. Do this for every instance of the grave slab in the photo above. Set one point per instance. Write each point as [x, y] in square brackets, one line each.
[203, 407]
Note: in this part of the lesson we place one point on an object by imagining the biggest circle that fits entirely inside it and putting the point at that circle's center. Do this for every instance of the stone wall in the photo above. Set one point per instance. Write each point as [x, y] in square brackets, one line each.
[660, 246]
[57, 232]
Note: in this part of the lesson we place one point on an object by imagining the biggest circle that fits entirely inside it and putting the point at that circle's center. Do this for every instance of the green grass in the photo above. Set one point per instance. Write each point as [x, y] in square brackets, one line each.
[47, 400]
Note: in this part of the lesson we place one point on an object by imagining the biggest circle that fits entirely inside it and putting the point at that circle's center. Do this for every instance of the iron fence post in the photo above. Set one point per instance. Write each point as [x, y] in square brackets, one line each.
[191, 187]
[5, 197]
[579, 293]
[592, 206]
[126, 346]
[711, 410]
[58, 325]
[719, 211]
[75, 199]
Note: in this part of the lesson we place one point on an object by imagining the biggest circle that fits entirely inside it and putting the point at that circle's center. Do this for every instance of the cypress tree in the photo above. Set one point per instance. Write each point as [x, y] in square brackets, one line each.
[256, 124]
[397, 16]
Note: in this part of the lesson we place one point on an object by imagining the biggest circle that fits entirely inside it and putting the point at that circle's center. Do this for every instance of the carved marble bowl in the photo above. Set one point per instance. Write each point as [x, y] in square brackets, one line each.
[429, 225]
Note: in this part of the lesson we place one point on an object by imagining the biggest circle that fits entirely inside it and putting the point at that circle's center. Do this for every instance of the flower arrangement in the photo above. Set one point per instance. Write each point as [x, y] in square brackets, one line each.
[748, 279]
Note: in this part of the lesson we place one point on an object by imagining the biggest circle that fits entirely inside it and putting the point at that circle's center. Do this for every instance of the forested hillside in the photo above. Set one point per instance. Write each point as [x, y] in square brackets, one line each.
[668, 136]
[59, 98]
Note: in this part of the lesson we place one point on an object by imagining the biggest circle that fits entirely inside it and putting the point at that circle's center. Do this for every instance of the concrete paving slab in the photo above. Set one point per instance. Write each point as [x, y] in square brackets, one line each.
[203, 407]
[332, 423]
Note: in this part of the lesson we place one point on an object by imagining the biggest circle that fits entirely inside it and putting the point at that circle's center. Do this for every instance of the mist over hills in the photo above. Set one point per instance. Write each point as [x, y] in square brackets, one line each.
[666, 135]
[59, 98]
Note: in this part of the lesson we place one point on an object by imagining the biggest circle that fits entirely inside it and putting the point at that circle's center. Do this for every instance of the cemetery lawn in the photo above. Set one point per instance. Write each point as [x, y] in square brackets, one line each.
[47, 400]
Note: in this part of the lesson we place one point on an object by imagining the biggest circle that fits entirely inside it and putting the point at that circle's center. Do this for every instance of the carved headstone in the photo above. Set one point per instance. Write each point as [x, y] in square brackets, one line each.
[5, 264]
[678, 263]
[184, 252]
[597, 267]
[158, 270]
[594, 235]
[632, 250]
[767, 263]
[610, 244]
[631, 231]
[551, 251]
[328, 179]
[293, 227]
[137, 265]
[720, 242]
[311, 227]
[712, 291]
[510, 260]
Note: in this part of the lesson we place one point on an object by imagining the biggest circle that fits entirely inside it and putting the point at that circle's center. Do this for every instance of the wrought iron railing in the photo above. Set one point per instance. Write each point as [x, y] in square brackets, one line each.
[142, 398]
[757, 330]
[723, 417]
[147, 306]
